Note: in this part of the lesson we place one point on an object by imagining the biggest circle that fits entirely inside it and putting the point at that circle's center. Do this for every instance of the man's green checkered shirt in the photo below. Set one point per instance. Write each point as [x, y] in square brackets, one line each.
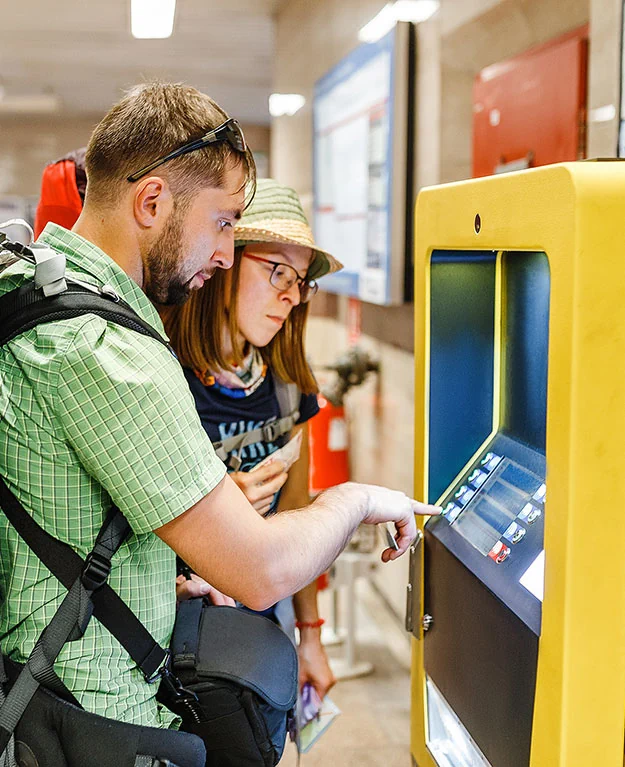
[91, 411]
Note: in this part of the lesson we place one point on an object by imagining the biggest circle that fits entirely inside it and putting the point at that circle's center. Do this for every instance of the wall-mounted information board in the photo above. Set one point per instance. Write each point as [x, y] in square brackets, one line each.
[361, 116]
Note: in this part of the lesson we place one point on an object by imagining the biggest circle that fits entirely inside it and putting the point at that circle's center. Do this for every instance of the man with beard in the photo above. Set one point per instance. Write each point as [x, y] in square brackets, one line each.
[95, 414]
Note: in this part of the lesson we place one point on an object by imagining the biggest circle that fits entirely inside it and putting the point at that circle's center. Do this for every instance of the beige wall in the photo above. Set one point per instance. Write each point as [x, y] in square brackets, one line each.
[453, 46]
[27, 144]
[604, 75]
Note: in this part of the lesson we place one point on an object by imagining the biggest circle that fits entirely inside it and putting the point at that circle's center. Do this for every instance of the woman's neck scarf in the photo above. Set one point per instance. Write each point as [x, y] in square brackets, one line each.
[240, 382]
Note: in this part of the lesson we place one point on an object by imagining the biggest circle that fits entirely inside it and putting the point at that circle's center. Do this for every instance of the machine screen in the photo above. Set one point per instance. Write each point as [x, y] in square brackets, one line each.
[493, 511]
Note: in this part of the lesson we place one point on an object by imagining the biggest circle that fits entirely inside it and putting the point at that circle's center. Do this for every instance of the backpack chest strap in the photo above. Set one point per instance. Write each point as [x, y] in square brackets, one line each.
[267, 433]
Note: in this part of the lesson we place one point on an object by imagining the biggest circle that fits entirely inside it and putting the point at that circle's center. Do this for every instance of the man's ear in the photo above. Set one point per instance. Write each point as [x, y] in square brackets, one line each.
[152, 203]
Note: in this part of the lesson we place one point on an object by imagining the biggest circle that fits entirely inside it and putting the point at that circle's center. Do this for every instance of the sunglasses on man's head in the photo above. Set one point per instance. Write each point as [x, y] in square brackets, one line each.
[230, 132]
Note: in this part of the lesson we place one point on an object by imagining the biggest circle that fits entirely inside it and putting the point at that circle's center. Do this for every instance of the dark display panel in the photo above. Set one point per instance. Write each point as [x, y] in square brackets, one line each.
[462, 355]
[462, 289]
[493, 514]
[525, 347]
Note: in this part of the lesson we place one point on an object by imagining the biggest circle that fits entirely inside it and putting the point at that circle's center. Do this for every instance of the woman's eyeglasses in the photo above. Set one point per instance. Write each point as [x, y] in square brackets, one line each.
[283, 277]
[230, 132]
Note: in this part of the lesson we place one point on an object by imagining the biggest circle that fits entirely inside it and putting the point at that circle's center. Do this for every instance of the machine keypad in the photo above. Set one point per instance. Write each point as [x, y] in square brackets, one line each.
[484, 509]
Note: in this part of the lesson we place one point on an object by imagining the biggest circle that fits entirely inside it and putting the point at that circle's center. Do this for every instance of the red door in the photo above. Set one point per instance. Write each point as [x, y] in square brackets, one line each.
[531, 110]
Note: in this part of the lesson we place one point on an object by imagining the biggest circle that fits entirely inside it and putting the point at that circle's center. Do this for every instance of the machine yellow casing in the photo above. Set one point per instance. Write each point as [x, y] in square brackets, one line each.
[575, 213]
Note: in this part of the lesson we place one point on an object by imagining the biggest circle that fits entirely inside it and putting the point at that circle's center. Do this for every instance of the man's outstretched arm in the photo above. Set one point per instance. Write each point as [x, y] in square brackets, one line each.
[259, 561]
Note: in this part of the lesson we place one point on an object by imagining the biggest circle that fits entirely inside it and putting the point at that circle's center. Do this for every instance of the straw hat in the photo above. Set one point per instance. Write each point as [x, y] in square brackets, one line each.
[276, 215]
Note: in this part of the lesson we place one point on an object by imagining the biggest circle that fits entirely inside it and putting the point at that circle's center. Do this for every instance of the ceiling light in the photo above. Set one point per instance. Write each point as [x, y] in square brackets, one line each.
[152, 19]
[401, 10]
[285, 104]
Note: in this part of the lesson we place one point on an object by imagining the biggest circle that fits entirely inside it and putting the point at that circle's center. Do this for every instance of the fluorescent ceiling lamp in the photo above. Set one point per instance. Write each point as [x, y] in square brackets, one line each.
[285, 104]
[152, 19]
[401, 10]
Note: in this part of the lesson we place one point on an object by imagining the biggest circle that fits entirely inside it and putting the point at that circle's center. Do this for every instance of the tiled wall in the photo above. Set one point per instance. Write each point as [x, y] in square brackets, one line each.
[464, 37]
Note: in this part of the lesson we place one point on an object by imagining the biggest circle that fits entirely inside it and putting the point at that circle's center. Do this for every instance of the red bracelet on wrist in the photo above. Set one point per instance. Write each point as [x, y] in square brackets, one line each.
[310, 624]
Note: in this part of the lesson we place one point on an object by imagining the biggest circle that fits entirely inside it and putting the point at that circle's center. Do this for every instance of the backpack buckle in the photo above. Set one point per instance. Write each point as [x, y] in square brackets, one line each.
[162, 671]
[271, 431]
[234, 462]
[177, 697]
[49, 269]
[96, 571]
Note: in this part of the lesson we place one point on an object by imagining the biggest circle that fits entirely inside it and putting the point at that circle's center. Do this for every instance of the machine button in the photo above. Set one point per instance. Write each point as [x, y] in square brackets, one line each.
[451, 511]
[490, 460]
[541, 493]
[477, 478]
[529, 513]
[514, 533]
[499, 552]
[463, 495]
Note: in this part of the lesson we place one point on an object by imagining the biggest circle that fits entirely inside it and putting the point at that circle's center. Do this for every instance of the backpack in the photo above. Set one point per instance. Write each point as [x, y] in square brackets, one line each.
[63, 185]
[39, 717]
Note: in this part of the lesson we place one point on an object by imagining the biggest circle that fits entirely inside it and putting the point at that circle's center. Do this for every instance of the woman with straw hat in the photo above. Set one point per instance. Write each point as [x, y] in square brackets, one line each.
[240, 340]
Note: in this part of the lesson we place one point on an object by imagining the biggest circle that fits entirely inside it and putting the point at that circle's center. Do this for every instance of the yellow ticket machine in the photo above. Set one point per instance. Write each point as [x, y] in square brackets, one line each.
[517, 592]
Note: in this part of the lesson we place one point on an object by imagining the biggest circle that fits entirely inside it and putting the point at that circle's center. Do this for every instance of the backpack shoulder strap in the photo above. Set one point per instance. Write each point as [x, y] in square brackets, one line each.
[66, 565]
[25, 307]
[289, 397]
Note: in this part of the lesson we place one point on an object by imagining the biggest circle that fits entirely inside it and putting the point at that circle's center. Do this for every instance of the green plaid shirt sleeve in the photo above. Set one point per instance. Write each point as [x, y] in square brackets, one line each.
[126, 410]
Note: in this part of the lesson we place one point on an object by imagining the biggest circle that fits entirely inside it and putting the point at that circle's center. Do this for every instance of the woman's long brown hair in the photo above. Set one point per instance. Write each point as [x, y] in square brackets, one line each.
[196, 331]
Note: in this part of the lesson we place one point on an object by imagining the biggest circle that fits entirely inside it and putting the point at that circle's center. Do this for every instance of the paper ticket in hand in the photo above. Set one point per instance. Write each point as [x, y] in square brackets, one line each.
[289, 453]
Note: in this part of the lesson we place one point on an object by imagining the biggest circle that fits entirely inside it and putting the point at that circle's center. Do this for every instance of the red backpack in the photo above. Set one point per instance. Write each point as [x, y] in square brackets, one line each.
[63, 185]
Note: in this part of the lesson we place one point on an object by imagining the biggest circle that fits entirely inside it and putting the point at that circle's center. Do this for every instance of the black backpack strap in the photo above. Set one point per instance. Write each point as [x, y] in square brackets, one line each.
[68, 624]
[7, 754]
[66, 565]
[88, 593]
[25, 307]
[185, 639]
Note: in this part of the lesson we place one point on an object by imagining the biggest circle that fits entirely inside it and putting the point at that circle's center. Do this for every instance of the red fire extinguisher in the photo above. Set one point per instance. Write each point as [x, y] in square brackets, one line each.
[329, 458]
[328, 433]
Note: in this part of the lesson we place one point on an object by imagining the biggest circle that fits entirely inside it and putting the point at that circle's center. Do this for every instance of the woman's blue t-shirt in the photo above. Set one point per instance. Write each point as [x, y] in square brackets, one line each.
[223, 416]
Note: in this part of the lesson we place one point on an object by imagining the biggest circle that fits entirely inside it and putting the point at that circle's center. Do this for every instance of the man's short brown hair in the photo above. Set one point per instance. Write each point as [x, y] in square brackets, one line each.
[150, 121]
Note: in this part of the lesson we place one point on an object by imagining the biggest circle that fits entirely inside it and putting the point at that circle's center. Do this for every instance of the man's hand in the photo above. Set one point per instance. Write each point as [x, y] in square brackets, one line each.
[313, 662]
[383, 505]
[260, 486]
[197, 587]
